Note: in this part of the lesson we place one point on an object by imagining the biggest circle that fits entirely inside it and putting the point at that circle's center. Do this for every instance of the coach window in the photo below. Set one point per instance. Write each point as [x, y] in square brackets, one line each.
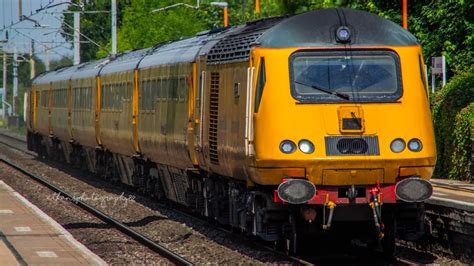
[116, 96]
[119, 88]
[89, 97]
[103, 97]
[44, 99]
[152, 93]
[164, 89]
[73, 96]
[159, 92]
[106, 96]
[141, 96]
[174, 88]
[129, 90]
[146, 95]
[182, 89]
[148, 100]
[78, 98]
[109, 97]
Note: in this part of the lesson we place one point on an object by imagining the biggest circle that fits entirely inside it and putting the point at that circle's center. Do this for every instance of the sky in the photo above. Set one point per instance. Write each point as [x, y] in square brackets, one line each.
[45, 35]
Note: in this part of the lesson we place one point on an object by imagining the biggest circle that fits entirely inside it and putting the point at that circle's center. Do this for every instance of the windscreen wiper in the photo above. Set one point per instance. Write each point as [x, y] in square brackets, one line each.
[335, 93]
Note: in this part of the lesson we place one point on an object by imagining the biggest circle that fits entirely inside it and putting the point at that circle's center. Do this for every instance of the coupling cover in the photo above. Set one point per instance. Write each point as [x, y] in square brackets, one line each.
[413, 189]
[296, 191]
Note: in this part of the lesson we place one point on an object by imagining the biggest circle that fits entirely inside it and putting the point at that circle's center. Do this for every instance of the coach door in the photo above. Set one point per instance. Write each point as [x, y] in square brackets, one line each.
[251, 80]
[199, 109]
[31, 109]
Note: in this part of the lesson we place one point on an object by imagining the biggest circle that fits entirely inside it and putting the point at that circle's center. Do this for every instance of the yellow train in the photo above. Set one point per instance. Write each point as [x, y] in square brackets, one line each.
[281, 127]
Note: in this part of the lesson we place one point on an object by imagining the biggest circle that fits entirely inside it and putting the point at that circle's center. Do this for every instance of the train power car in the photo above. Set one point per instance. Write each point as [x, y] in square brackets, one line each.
[282, 127]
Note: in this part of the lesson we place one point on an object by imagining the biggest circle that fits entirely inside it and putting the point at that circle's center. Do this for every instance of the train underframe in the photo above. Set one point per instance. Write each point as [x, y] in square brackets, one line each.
[254, 210]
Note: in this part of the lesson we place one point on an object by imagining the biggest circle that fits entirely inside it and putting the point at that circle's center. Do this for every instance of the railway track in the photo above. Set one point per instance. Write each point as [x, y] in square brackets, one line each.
[20, 145]
[303, 260]
[14, 142]
[163, 251]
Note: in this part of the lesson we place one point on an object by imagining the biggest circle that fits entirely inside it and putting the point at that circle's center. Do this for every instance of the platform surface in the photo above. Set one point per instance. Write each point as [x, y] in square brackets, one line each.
[453, 194]
[29, 237]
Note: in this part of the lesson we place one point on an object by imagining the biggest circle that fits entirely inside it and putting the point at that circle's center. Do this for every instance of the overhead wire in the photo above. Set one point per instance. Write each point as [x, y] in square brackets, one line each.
[38, 11]
[45, 46]
[80, 33]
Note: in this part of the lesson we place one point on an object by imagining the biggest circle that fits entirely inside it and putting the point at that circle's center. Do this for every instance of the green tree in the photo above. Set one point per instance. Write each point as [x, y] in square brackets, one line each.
[62, 62]
[440, 26]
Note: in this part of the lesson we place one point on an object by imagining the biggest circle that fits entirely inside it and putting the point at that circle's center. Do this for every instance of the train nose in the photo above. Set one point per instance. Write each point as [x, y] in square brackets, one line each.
[296, 191]
[413, 189]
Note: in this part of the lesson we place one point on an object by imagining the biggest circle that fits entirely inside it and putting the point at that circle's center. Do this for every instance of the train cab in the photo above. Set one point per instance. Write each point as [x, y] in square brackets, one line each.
[341, 113]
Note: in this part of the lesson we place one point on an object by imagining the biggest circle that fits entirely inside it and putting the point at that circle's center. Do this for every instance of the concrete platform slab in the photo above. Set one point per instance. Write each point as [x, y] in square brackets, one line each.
[452, 194]
[29, 236]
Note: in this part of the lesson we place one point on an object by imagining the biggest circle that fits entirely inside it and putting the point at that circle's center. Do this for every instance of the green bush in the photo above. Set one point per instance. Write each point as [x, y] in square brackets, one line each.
[462, 154]
[457, 94]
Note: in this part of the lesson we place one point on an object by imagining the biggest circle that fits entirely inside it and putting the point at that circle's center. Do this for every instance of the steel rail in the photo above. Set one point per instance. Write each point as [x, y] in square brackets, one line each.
[175, 258]
[15, 139]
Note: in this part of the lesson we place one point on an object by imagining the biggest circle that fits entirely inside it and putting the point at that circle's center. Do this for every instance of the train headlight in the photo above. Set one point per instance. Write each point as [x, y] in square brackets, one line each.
[415, 145]
[397, 145]
[306, 146]
[287, 146]
[413, 189]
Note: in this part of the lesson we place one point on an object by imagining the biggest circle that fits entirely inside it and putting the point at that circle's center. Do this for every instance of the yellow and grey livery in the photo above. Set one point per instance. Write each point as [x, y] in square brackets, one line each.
[261, 126]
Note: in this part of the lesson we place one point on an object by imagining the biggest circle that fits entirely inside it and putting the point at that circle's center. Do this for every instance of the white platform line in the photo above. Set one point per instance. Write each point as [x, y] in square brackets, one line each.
[46, 254]
[22, 229]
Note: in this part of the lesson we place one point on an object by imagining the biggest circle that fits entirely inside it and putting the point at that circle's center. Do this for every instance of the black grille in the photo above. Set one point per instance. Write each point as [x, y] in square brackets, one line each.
[236, 46]
[340, 145]
[213, 117]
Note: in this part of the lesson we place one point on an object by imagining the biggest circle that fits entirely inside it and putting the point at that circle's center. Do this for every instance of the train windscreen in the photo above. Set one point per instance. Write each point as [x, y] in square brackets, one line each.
[359, 76]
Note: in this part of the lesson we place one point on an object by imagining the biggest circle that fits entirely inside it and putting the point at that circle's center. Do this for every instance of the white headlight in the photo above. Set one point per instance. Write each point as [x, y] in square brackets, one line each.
[306, 146]
[415, 145]
[287, 146]
[397, 145]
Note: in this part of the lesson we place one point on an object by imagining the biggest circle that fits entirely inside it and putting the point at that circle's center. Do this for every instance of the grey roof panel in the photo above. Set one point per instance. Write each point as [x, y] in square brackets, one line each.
[176, 52]
[125, 62]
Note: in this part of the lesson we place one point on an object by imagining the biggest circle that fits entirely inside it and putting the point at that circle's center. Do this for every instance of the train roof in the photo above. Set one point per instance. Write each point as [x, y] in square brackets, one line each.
[318, 28]
[233, 44]
[125, 61]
